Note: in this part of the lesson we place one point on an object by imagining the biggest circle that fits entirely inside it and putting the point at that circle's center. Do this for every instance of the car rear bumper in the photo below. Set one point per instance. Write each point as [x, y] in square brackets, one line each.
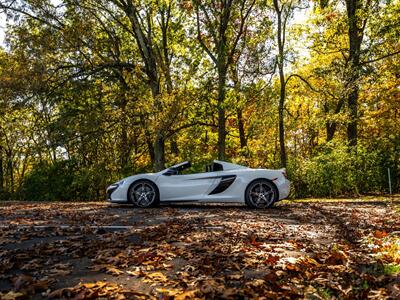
[283, 187]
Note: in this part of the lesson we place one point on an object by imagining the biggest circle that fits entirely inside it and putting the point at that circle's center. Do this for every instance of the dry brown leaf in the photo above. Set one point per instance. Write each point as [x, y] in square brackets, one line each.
[380, 234]
[11, 295]
[235, 276]
[272, 259]
[114, 271]
[22, 281]
[186, 295]
[156, 276]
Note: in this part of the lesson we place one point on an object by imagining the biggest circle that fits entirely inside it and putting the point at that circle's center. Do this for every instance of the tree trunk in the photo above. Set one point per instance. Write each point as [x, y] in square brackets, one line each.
[330, 130]
[159, 153]
[124, 153]
[1, 170]
[352, 126]
[150, 147]
[221, 113]
[144, 42]
[282, 95]
[355, 39]
[239, 110]
[174, 146]
[242, 134]
[148, 139]
[10, 167]
[159, 143]
[124, 149]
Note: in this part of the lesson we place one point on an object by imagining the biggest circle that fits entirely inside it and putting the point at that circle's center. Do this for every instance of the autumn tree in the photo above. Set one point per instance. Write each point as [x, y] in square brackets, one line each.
[220, 26]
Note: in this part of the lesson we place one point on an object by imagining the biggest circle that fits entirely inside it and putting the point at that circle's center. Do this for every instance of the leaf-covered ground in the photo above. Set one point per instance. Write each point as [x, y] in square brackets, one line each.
[344, 249]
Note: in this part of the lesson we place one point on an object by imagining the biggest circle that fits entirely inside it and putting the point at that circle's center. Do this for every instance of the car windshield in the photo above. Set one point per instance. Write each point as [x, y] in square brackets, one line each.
[182, 166]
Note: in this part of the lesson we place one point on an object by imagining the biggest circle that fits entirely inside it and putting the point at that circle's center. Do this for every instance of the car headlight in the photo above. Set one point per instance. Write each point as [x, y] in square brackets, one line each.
[114, 186]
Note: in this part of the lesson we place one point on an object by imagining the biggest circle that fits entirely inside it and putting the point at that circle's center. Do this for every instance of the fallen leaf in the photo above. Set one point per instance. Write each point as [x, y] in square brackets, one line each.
[186, 295]
[380, 234]
[235, 276]
[156, 276]
[12, 296]
[22, 281]
[272, 260]
[114, 271]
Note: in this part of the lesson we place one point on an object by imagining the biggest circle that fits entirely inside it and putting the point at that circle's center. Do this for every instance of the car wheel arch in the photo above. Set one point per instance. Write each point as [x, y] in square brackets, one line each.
[138, 180]
[262, 178]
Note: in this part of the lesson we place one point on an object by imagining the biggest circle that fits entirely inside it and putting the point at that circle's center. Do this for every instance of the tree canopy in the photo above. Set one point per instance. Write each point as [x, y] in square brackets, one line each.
[92, 91]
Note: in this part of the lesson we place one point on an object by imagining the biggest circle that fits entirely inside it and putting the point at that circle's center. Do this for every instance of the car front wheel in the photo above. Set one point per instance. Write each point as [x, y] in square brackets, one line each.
[261, 193]
[143, 193]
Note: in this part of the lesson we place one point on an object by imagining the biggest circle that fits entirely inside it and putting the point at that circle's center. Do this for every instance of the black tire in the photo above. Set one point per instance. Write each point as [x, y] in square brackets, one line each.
[143, 193]
[261, 193]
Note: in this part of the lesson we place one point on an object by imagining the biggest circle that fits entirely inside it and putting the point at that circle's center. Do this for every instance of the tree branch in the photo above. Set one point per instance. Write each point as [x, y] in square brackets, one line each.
[201, 40]
[380, 58]
[302, 79]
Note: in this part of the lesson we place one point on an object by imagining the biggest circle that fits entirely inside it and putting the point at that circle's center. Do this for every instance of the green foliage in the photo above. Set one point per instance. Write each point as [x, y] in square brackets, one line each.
[62, 180]
[392, 269]
[339, 170]
[82, 108]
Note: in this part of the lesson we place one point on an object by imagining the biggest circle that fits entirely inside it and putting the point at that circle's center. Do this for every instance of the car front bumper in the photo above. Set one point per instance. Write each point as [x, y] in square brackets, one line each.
[112, 188]
[116, 194]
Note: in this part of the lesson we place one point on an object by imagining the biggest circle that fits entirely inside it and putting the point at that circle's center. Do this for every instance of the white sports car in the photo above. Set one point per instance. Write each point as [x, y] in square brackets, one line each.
[221, 182]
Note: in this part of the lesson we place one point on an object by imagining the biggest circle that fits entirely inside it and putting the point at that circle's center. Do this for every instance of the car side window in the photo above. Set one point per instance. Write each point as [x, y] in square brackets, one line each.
[171, 172]
[217, 167]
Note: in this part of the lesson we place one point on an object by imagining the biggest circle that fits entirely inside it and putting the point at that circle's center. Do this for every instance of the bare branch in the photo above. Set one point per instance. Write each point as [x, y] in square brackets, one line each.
[302, 79]
[238, 36]
[380, 58]
[201, 40]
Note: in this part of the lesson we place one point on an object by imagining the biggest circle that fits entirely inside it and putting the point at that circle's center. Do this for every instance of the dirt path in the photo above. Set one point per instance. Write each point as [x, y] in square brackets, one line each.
[302, 249]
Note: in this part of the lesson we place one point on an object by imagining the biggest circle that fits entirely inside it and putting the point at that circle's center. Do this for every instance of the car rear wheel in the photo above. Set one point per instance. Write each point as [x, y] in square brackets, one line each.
[144, 193]
[261, 193]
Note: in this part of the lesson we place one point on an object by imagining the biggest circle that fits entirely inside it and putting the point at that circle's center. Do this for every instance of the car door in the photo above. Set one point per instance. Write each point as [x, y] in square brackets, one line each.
[187, 187]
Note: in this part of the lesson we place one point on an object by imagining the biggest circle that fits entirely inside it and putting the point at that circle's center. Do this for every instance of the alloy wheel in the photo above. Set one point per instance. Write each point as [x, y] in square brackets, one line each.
[261, 194]
[143, 194]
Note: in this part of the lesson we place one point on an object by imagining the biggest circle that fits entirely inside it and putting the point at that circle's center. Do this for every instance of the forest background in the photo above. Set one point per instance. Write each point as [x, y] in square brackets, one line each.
[92, 91]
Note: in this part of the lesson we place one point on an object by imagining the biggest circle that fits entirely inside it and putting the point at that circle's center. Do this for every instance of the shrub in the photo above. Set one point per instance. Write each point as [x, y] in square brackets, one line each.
[338, 171]
[61, 180]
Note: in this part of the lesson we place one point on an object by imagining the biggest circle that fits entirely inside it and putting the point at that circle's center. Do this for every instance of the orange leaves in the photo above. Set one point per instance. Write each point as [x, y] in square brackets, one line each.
[292, 267]
[182, 253]
[99, 289]
[155, 277]
[331, 16]
[336, 258]
[177, 294]
[380, 234]
[114, 271]
[272, 260]
[254, 242]
[109, 269]
[11, 295]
